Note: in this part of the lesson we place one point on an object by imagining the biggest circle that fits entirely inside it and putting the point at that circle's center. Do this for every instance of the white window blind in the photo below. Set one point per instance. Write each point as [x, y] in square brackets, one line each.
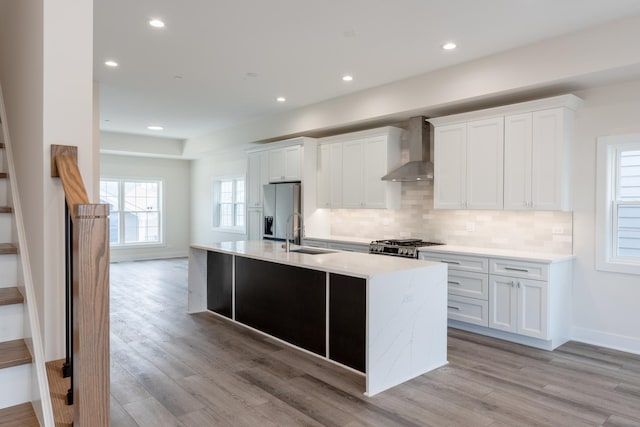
[618, 204]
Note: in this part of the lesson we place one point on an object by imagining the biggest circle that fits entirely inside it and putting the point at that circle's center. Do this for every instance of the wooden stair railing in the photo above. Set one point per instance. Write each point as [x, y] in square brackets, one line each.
[90, 296]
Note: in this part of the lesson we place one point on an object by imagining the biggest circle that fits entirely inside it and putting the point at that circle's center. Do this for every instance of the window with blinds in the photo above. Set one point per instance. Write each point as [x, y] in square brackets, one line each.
[626, 204]
[618, 204]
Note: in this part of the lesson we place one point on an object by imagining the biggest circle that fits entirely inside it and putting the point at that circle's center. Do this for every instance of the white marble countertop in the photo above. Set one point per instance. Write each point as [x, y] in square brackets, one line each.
[341, 239]
[498, 253]
[341, 262]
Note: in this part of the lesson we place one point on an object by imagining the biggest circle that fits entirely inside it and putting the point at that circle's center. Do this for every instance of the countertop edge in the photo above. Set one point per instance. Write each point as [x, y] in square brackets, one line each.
[498, 253]
[422, 263]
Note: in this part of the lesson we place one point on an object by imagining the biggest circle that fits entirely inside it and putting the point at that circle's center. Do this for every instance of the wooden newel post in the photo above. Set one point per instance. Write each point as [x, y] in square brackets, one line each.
[91, 315]
[90, 260]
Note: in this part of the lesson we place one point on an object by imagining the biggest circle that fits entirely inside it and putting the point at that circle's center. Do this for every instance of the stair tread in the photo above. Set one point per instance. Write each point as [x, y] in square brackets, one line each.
[8, 248]
[10, 296]
[21, 415]
[14, 353]
[6, 209]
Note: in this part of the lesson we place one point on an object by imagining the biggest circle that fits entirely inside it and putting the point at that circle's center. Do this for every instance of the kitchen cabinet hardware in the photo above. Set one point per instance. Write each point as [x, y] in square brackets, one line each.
[451, 282]
[450, 261]
[453, 307]
[522, 270]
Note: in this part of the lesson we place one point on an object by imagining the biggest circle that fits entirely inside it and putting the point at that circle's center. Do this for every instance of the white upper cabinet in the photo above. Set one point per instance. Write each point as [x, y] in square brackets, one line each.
[450, 167]
[285, 164]
[257, 176]
[513, 157]
[536, 160]
[353, 174]
[485, 150]
[518, 137]
[468, 165]
[551, 168]
[350, 168]
[329, 176]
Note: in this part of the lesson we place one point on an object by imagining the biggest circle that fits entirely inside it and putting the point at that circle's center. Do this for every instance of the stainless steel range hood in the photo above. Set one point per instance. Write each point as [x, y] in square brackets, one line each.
[419, 167]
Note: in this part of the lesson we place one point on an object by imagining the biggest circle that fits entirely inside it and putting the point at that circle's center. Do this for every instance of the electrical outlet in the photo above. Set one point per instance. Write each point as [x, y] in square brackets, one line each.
[471, 226]
[557, 230]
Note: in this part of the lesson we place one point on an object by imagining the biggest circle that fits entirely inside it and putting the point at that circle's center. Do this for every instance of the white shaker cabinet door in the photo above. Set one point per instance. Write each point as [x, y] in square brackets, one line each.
[450, 167]
[276, 165]
[254, 224]
[257, 176]
[375, 167]
[323, 177]
[352, 175]
[485, 154]
[503, 303]
[293, 163]
[549, 170]
[517, 161]
[329, 176]
[335, 172]
[532, 308]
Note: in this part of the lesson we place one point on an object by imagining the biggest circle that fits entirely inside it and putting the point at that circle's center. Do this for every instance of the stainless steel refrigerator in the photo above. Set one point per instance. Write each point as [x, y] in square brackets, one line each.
[280, 203]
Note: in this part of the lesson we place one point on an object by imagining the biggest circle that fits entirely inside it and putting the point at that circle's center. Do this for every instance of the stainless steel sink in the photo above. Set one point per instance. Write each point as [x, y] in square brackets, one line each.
[312, 251]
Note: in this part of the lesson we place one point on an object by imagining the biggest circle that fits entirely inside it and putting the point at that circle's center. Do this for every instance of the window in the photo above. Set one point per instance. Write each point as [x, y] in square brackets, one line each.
[229, 204]
[618, 204]
[135, 211]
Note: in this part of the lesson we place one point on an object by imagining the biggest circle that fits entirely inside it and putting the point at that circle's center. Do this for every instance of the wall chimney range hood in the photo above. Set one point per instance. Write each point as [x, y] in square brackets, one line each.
[419, 167]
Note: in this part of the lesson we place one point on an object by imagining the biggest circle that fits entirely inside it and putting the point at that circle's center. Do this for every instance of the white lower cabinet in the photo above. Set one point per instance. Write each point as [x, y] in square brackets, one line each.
[519, 305]
[470, 310]
[511, 299]
[254, 224]
[468, 286]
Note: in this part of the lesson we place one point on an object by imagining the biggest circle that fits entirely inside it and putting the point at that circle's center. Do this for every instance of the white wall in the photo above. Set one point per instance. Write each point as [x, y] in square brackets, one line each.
[176, 176]
[549, 67]
[49, 100]
[605, 304]
[203, 172]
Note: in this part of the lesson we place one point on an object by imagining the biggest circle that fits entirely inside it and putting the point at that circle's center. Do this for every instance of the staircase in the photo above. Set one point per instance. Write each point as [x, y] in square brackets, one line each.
[21, 400]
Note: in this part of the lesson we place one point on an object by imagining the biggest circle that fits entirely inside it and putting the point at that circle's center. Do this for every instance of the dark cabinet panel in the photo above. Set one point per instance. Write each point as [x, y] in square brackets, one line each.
[347, 320]
[284, 301]
[220, 283]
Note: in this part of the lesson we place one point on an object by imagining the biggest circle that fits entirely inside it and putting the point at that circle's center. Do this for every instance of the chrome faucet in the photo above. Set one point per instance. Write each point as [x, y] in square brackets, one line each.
[287, 245]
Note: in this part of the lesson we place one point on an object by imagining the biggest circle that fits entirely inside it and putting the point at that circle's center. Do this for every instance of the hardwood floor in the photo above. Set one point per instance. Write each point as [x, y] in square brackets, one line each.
[169, 368]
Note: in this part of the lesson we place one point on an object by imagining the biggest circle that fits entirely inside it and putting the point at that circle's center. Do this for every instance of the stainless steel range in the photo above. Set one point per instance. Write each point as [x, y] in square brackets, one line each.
[407, 248]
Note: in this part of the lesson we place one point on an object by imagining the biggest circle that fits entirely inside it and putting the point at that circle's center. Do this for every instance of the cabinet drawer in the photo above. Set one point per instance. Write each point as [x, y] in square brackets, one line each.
[468, 310]
[522, 269]
[458, 262]
[466, 284]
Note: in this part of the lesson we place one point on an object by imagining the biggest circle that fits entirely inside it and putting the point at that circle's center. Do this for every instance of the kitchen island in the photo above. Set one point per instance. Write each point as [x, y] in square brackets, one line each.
[383, 316]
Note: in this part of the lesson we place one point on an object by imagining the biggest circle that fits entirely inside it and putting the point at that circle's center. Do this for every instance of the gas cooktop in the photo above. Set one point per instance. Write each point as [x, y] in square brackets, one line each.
[407, 248]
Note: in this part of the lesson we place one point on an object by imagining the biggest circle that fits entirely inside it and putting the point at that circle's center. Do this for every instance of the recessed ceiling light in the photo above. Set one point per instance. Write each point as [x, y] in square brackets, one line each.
[111, 63]
[156, 23]
[449, 46]
[281, 99]
[347, 78]
[155, 127]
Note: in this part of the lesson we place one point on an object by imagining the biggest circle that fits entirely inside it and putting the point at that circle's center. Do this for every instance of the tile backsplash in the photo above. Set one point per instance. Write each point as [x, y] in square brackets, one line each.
[539, 231]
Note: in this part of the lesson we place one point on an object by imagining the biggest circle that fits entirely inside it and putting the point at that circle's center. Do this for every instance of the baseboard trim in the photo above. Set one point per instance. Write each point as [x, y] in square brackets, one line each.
[507, 336]
[608, 340]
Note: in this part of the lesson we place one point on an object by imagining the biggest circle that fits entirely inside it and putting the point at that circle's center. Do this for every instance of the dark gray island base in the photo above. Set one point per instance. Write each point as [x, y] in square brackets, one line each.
[382, 317]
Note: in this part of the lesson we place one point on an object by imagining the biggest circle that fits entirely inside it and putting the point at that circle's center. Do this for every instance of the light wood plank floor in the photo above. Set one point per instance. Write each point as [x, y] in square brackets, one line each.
[173, 369]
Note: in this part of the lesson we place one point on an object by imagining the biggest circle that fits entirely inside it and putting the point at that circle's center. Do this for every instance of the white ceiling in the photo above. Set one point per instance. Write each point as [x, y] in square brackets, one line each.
[235, 57]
